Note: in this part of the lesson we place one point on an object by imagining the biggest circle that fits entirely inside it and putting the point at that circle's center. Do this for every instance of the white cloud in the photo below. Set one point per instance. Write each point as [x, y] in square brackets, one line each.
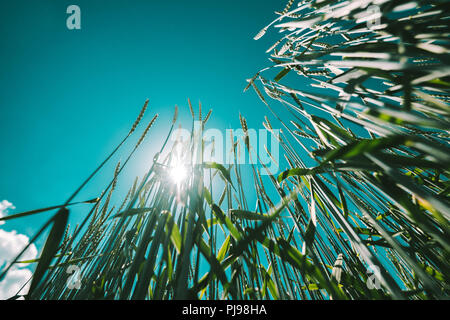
[13, 281]
[11, 244]
[4, 206]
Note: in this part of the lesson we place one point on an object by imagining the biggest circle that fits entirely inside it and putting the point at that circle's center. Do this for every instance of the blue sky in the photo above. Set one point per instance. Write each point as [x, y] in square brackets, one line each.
[68, 96]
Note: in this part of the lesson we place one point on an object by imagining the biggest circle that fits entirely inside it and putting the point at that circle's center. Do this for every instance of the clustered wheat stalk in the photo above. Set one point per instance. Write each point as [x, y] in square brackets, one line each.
[366, 86]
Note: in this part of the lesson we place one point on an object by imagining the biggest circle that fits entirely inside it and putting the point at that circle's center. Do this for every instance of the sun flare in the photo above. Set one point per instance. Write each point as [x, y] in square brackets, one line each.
[178, 173]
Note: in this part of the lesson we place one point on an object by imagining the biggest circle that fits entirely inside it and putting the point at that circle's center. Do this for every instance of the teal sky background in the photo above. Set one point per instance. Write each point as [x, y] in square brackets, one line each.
[68, 97]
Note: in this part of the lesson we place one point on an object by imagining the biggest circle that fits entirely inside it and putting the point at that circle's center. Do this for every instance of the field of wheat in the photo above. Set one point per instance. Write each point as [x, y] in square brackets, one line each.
[360, 90]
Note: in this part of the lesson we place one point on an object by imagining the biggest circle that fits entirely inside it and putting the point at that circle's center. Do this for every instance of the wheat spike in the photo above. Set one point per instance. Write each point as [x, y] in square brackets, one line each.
[146, 130]
[133, 189]
[175, 115]
[207, 116]
[138, 120]
[243, 123]
[268, 122]
[190, 108]
[288, 7]
[116, 173]
[260, 34]
[245, 128]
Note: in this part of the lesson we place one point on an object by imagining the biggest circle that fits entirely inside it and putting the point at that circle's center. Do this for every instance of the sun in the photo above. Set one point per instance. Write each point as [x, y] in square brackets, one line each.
[178, 173]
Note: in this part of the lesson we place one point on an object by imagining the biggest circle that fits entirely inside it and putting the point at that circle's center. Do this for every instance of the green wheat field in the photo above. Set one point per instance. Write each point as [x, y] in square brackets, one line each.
[359, 209]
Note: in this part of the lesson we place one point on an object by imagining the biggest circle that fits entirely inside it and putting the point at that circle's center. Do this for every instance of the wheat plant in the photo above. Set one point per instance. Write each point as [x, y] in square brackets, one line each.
[365, 85]
[360, 212]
